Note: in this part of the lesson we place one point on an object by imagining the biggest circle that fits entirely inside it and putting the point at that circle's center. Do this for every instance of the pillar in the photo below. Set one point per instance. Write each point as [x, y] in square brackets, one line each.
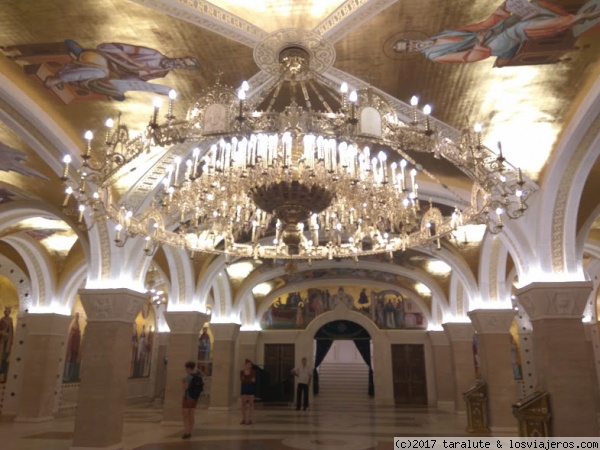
[444, 376]
[495, 361]
[560, 356]
[105, 366]
[225, 337]
[44, 351]
[184, 333]
[160, 369]
[460, 336]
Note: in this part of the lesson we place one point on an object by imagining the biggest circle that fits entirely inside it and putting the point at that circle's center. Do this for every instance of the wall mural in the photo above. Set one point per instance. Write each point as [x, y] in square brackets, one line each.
[74, 72]
[518, 32]
[9, 307]
[142, 342]
[205, 351]
[389, 309]
[14, 160]
[72, 369]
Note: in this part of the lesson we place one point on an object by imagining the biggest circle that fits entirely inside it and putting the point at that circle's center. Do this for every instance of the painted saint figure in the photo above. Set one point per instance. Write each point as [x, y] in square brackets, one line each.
[113, 68]
[499, 35]
[204, 346]
[71, 372]
[7, 333]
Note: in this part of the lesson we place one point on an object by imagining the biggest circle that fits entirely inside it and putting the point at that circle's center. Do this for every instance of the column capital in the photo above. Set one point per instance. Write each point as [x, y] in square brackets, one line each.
[550, 300]
[438, 337]
[249, 337]
[112, 305]
[186, 322]
[47, 324]
[459, 331]
[225, 331]
[492, 321]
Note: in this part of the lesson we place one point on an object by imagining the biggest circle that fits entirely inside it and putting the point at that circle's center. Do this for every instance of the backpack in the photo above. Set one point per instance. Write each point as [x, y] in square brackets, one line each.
[196, 386]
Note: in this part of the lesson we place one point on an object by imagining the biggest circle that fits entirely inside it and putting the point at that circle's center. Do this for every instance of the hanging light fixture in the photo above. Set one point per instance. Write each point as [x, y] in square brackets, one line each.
[312, 174]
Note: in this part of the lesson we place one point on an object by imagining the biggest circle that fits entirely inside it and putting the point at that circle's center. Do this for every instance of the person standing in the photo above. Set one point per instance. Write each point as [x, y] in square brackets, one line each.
[304, 375]
[248, 379]
[188, 405]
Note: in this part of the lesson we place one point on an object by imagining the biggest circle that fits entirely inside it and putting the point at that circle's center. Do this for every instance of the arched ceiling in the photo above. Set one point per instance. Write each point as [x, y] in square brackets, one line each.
[524, 99]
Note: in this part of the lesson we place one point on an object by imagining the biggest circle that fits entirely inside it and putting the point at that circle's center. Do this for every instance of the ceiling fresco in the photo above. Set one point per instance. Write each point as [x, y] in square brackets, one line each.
[519, 68]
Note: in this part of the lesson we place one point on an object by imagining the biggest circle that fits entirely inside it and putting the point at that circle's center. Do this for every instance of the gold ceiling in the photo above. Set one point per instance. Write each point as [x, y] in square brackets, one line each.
[524, 99]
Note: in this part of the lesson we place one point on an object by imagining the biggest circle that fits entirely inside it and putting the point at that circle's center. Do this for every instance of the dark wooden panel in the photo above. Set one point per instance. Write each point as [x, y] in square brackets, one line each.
[409, 375]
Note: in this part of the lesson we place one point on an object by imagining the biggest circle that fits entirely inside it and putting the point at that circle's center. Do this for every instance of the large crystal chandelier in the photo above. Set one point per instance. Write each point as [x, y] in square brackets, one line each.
[325, 175]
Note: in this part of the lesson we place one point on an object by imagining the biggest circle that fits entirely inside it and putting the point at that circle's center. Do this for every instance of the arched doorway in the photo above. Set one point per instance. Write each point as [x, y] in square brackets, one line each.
[343, 363]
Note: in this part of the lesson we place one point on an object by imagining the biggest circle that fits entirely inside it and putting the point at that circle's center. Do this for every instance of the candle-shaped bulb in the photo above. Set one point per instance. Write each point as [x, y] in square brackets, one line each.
[241, 95]
[499, 211]
[353, 97]
[81, 210]
[427, 110]
[344, 88]
[172, 95]
[394, 165]
[403, 163]
[382, 156]
[196, 152]
[88, 135]
[67, 161]
[109, 123]
[157, 102]
[245, 86]
[478, 128]
[414, 101]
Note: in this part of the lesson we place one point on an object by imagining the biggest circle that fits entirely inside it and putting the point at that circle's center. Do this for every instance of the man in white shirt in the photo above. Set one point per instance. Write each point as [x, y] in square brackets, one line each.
[304, 375]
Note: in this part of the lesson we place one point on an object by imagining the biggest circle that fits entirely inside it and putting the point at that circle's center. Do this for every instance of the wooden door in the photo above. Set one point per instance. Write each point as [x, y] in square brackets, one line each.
[279, 362]
[409, 377]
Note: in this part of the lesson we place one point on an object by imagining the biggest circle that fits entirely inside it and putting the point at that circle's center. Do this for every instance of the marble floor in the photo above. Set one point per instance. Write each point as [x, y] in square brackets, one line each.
[322, 427]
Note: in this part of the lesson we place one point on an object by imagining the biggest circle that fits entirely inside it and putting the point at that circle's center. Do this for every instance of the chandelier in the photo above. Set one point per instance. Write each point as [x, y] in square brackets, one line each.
[316, 173]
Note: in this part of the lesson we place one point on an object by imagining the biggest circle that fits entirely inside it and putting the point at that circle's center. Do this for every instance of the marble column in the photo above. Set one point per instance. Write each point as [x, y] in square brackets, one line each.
[225, 335]
[495, 362]
[44, 351]
[444, 376]
[460, 336]
[105, 366]
[560, 357]
[184, 333]
[160, 369]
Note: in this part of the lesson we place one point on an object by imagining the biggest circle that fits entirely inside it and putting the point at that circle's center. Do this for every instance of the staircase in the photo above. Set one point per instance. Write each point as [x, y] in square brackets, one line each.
[343, 384]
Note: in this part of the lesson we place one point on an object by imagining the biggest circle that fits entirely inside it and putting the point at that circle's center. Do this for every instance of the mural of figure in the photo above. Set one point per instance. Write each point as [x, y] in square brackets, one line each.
[148, 352]
[7, 333]
[342, 297]
[399, 313]
[317, 303]
[71, 372]
[390, 312]
[327, 300]
[499, 35]
[300, 315]
[112, 69]
[204, 345]
[380, 314]
[134, 347]
[140, 358]
[363, 300]
[516, 360]
[476, 356]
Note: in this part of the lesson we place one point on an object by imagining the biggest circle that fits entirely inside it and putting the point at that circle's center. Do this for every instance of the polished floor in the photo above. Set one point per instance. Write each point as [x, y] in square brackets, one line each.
[322, 427]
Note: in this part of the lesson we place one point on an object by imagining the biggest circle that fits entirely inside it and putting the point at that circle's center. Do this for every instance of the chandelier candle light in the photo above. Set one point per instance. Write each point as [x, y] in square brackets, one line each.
[294, 182]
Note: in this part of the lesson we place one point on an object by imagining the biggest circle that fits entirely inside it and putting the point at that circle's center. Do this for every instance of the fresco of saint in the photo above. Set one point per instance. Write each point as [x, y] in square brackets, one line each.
[113, 68]
[500, 34]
